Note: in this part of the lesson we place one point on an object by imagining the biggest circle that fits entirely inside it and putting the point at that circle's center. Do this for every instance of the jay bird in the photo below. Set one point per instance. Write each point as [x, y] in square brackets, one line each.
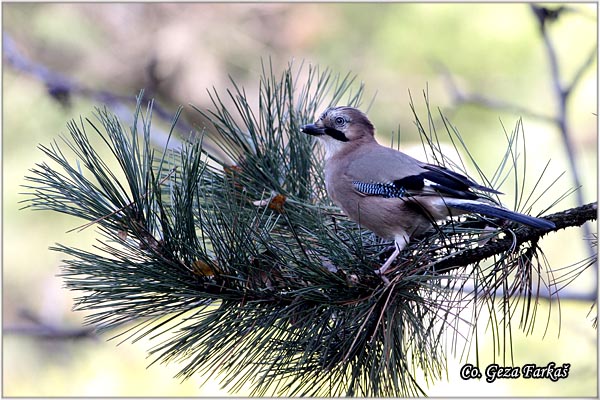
[391, 193]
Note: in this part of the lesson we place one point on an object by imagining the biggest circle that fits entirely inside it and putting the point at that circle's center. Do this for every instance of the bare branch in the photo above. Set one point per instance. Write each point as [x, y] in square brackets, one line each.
[561, 94]
[459, 97]
[45, 330]
[581, 70]
[62, 89]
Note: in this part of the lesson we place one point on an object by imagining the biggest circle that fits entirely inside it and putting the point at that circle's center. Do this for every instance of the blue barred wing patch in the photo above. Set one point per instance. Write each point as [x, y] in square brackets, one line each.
[387, 190]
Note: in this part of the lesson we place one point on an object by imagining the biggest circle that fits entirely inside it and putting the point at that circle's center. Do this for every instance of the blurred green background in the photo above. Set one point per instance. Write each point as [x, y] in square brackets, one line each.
[177, 51]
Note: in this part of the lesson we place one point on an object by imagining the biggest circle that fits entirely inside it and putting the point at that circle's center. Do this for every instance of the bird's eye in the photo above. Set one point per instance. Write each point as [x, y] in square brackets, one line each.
[340, 121]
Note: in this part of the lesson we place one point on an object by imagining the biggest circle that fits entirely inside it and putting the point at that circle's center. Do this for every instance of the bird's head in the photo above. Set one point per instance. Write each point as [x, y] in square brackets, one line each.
[339, 127]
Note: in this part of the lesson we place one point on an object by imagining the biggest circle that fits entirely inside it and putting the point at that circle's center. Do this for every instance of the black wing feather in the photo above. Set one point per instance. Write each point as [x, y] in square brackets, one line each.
[443, 183]
[442, 180]
[439, 182]
[441, 174]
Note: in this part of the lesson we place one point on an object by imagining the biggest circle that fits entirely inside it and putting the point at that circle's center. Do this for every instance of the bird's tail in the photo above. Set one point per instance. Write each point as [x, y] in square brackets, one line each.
[493, 211]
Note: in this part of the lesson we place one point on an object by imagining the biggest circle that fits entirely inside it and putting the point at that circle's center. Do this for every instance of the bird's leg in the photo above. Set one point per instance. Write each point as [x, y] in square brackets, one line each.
[388, 262]
[400, 242]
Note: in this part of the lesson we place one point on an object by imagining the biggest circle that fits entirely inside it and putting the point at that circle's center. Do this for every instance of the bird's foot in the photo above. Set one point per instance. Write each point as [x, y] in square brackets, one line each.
[381, 271]
[384, 278]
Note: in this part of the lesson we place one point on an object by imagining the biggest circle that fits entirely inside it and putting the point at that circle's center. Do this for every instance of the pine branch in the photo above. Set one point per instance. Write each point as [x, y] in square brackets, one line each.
[247, 269]
[564, 219]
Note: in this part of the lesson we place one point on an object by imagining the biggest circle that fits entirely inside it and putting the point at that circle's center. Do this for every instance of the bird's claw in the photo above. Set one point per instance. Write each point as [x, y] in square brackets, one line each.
[384, 278]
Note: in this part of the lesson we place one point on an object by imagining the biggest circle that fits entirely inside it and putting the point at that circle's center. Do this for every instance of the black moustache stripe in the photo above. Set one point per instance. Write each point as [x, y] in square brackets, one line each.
[337, 135]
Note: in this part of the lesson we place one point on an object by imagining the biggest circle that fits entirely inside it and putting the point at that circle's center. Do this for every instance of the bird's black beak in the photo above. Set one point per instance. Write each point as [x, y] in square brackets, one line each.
[312, 129]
